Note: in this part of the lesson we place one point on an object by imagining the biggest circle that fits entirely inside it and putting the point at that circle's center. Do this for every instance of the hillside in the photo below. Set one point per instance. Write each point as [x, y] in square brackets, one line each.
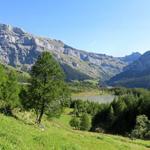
[137, 74]
[21, 49]
[17, 134]
[22, 76]
[131, 58]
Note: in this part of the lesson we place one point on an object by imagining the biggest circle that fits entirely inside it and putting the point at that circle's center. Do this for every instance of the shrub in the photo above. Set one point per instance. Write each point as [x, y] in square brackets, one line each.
[142, 128]
[85, 123]
[75, 122]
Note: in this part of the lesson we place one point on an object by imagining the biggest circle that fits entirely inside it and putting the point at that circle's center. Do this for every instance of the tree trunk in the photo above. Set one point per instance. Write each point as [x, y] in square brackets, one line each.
[39, 118]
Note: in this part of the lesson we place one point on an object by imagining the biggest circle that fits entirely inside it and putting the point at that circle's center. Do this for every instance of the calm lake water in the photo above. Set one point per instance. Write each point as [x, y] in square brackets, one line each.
[97, 98]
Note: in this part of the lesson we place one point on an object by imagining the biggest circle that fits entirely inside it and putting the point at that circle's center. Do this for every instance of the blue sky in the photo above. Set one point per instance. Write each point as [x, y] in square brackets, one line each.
[114, 27]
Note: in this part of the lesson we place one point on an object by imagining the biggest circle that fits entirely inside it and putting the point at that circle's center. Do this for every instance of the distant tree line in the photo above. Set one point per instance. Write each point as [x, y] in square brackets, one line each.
[80, 86]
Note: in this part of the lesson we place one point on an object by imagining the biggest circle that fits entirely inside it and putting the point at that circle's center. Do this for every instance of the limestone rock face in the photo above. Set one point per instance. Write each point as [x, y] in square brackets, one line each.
[21, 49]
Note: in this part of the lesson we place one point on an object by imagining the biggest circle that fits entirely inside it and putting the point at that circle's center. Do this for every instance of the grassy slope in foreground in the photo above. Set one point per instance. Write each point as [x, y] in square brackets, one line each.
[15, 134]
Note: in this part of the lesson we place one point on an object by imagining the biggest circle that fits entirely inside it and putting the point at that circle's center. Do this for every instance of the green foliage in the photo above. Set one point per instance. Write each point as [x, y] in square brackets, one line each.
[103, 118]
[22, 77]
[119, 91]
[47, 90]
[142, 128]
[119, 106]
[2, 80]
[75, 122]
[81, 106]
[85, 123]
[2, 75]
[80, 86]
[119, 117]
[25, 104]
[110, 116]
[9, 91]
[82, 110]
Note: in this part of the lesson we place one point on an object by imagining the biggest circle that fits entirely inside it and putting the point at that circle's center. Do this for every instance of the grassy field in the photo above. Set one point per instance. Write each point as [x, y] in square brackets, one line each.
[16, 134]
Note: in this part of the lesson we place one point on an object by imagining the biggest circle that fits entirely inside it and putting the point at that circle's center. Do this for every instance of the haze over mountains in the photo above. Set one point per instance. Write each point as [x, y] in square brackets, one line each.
[21, 49]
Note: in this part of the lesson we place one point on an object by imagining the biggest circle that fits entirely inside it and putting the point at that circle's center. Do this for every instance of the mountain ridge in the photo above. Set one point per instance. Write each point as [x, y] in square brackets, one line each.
[20, 49]
[131, 58]
[137, 74]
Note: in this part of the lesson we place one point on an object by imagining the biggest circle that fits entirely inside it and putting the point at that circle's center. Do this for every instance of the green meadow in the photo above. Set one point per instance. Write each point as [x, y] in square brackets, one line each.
[20, 133]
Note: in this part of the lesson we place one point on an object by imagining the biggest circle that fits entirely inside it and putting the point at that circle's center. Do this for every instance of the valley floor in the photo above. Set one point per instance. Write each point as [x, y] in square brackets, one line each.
[16, 134]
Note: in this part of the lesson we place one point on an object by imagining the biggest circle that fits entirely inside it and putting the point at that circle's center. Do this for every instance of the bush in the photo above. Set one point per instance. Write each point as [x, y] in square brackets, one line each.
[85, 123]
[142, 128]
[75, 122]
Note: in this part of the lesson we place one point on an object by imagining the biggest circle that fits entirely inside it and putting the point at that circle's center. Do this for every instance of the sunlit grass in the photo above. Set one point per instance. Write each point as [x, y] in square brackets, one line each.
[15, 134]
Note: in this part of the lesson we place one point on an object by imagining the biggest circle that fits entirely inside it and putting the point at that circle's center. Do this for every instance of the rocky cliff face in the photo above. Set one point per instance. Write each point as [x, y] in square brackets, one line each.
[21, 49]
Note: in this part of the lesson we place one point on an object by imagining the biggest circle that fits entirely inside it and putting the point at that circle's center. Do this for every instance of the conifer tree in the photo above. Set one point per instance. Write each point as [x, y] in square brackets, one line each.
[47, 89]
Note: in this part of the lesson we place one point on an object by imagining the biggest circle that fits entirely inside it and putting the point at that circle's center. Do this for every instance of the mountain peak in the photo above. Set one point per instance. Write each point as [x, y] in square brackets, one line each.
[10, 28]
[131, 58]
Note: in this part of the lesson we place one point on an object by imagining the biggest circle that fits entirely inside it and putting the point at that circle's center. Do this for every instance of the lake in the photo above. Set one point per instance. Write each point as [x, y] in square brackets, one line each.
[96, 98]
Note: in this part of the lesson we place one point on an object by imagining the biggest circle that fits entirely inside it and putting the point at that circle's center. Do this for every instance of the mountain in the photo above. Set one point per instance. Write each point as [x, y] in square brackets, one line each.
[137, 74]
[131, 58]
[21, 49]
